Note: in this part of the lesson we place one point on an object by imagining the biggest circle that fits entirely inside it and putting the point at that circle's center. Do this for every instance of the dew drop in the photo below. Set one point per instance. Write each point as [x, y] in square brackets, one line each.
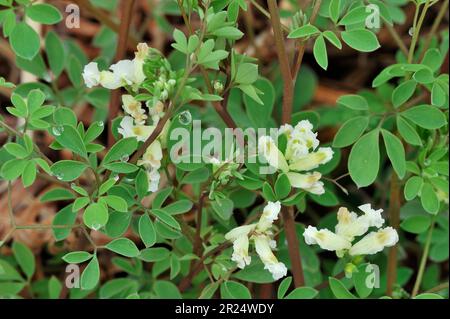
[58, 130]
[60, 176]
[185, 118]
[116, 178]
[100, 123]
[411, 31]
[124, 158]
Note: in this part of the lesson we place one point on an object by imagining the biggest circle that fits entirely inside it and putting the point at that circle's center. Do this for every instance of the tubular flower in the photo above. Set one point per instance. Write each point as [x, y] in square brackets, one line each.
[350, 226]
[122, 73]
[134, 108]
[375, 242]
[261, 235]
[129, 129]
[300, 155]
[152, 156]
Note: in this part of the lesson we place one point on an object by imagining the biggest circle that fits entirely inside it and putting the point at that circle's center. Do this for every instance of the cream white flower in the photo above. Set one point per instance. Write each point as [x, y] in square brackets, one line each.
[109, 81]
[237, 232]
[134, 108]
[312, 160]
[240, 252]
[326, 239]
[152, 156]
[299, 156]
[91, 75]
[153, 177]
[351, 226]
[139, 60]
[372, 217]
[260, 233]
[375, 242]
[124, 70]
[129, 129]
[269, 215]
[264, 250]
[310, 182]
[272, 154]
[156, 112]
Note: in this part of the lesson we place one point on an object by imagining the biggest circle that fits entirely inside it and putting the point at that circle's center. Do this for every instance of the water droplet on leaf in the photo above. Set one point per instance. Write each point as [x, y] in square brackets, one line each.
[185, 118]
[58, 130]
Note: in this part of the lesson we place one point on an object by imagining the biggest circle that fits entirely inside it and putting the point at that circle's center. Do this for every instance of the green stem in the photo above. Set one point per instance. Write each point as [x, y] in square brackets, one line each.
[424, 259]
[417, 26]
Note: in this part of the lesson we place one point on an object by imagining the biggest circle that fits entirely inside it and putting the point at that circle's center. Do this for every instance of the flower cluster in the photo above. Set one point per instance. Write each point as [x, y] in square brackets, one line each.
[260, 233]
[349, 227]
[131, 75]
[301, 154]
[123, 73]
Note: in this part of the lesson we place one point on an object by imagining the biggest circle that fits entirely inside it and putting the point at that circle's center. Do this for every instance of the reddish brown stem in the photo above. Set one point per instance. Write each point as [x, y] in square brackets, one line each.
[284, 61]
[293, 247]
[126, 15]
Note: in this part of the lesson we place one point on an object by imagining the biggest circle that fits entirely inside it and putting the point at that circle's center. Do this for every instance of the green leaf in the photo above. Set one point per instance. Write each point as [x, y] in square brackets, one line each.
[123, 148]
[9, 272]
[364, 160]
[428, 296]
[54, 288]
[54, 49]
[44, 13]
[247, 73]
[234, 290]
[282, 187]
[161, 197]
[65, 116]
[166, 290]
[429, 199]
[396, 152]
[320, 52]
[260, 113]
[179, 207]
[16, 150]
[351, 131]
[230, 33]
[303, 293]
[283, 287]
[332, 38]
[91, 275]
[121, 167]
[166, 218]
[74, 70]
[304, 31]
[334, 10]
[154, 254]
[416, 224]
[24, 41]
[361, 279]
[141, 184]
[426, 116]
[67, 136]
[408, 132]
[223, 208]
[77, 257]
[354, 102]
[68, 171]
[95, 216]
[12, 169]
[147, 231]
[413, 187]
[339, 290]
[361, 40]
[66, 218]
[403, 93]
[354, 16]
[57, 194]
[25, 258]
[117, 203]
[29, 174]
[124, 247]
